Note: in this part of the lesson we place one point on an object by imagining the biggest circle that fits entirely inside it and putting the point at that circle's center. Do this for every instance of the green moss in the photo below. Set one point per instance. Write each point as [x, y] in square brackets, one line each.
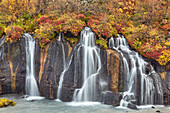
[101, 43]
[121, 88]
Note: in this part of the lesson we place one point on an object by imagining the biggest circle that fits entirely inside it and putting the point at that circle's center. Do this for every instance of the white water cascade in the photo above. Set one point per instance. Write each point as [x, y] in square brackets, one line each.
[134, 72]
[66, 67]
[90, 69]
[31, 84]
[2, 41]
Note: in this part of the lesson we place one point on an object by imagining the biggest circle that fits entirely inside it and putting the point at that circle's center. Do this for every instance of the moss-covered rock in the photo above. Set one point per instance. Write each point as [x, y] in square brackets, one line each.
[13, 104]
[5, 102]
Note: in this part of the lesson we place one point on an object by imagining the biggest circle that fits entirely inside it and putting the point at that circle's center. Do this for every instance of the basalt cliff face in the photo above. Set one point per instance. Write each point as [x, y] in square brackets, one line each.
[50, 62]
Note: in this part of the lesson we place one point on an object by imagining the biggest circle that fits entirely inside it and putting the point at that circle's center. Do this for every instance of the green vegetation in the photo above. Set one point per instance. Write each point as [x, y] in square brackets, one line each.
[102, 43]
[145, 23]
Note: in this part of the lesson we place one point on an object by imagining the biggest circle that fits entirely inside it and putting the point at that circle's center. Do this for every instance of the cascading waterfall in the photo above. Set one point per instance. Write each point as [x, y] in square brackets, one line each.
[2, 40]
[91, 66]
[137, 67]
[31, 84]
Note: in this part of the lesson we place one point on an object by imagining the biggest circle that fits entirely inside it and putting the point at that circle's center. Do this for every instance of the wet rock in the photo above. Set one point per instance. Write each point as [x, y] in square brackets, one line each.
[153, 107]
[111, 98]
[158, 111]
[13, 68]
[113, 63]
[132, 106]
[48, 66]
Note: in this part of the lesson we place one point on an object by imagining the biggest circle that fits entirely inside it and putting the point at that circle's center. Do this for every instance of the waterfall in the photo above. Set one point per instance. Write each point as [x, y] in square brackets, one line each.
[148, 88]
[31, 84]
[90, 68]
[2, 41]
[65, 69]
[111, 42]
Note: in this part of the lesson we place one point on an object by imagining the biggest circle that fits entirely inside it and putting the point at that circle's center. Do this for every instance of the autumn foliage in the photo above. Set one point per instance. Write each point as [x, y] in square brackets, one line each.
[145, 23]
[13, 33]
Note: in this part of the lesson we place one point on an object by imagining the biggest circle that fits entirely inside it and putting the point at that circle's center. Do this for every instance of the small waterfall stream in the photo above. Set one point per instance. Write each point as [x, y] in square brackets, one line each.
[65, 69]
[31, 84]
[2, 40]
[137, 67]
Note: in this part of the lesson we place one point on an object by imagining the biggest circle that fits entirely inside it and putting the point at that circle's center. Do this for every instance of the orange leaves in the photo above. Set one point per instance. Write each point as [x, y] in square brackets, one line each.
[166, 27]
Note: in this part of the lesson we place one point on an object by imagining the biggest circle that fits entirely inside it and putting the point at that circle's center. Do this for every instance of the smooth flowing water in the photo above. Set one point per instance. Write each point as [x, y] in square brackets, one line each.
[65, 69]
[91, 66]
[135, 74]
[2, 41]
[31, 84]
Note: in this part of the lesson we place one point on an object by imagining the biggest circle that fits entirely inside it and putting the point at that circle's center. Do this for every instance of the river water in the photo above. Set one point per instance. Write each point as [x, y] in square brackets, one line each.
[52, 106]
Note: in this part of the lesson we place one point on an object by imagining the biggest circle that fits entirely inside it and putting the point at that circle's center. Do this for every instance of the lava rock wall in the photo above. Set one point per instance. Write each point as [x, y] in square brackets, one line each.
[49, 66]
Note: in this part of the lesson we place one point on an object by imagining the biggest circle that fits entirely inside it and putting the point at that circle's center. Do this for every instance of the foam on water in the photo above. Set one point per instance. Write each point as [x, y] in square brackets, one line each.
[83, 103]
[34, 98]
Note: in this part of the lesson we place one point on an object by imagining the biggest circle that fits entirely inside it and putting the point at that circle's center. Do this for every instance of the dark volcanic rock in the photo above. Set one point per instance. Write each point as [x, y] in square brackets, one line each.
[132, 106]
[111, 98]
[13, 67]
[49, 66]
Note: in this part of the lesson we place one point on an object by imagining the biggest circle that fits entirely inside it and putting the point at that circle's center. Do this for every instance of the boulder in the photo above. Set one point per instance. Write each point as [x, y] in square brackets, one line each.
[111, 98]
[132, 106]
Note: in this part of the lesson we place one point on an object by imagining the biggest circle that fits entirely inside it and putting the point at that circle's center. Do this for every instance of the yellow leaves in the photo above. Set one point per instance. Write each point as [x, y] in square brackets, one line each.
[10, 8]
[158, 46]
[120, 10]
[145, 13]
[164, 21]
[165, 57]
[167, 43]
[163, 75]
[142, 26]
[120, 3]
[130, 2]
[153, 32]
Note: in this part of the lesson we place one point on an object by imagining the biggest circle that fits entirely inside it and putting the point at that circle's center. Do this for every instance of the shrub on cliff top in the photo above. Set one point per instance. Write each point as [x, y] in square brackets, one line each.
[13, 33]
[69, 22]
[141, 21]
[45, 33]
